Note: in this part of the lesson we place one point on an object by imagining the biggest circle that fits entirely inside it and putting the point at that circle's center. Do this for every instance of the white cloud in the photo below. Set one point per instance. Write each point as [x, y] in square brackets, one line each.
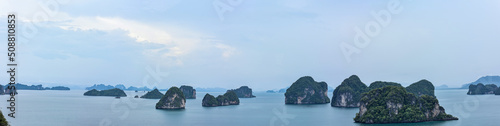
[169, 45]
[139, 31]
[227, 51]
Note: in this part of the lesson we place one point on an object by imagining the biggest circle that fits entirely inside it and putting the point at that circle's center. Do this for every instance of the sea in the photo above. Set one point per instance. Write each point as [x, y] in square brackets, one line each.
[71, 108]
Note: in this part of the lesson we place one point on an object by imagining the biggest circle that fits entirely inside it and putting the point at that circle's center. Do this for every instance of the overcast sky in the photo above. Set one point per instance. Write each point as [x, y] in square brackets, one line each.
[260, 43]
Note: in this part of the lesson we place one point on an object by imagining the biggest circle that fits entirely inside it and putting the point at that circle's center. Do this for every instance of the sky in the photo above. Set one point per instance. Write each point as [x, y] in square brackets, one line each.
[259, 43]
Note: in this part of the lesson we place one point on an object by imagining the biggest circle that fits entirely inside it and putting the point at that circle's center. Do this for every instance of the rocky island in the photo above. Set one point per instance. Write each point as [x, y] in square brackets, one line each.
[209, 101]
[229, 98]
[119, 86]
[111, 92]
[173, 99]
[481, 89]
[393, 104]
[188, 91]
[484, 80]
[154, 94]
[307, 91]
[58, 88]
[348, 93]
[34, 87]
[4, 90]
[270, 91]
[243, 92]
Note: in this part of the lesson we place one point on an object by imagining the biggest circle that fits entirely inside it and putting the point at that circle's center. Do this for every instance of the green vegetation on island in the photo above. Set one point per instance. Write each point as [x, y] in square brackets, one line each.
[173, 99]
[209, 101]
[480, 89]
[393, 104]
[422, 87]
[307, 91]
[188, 91]
[3, 121]
[111, 92]
[154, 94]
[381, 84]
[348, 93]
[229, 98]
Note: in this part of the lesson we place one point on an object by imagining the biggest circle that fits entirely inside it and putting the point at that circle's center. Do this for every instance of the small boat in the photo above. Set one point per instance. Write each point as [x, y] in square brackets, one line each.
[117, 97]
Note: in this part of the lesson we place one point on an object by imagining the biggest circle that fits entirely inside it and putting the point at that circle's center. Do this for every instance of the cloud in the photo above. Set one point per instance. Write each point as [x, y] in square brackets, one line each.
[227, 51]
[166, 45]
[139, 31]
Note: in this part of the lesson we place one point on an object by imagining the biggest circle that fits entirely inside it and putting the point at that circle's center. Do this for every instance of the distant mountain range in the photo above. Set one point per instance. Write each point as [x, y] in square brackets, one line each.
[485, 80]
[36, 87]
[119, 86]
[444, 87]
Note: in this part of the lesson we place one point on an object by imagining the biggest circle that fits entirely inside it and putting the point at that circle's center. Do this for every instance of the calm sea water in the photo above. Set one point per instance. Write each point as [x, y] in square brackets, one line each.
[71, 108]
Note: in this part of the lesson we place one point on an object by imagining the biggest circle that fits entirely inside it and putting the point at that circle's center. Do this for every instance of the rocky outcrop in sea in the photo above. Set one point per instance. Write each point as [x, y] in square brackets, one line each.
[229, 98]
[348, 93]
[189, 92]
[173, 99]
[243, 92]
[393, 104]
[307, 91]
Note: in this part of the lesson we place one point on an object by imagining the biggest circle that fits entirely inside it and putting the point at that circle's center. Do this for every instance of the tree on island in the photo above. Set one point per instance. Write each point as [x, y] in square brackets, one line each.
[111, 92]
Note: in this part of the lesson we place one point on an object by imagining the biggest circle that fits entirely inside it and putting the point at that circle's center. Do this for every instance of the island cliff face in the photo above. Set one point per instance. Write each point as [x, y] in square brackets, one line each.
[111, 92]
[155, 94]
[229, 98]
[497, 92]
[307, 91]
[393, 104]
[243, 92]
[173, 99]
[2, 92]
[348, 93]
[188, 91]
[481, 89]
